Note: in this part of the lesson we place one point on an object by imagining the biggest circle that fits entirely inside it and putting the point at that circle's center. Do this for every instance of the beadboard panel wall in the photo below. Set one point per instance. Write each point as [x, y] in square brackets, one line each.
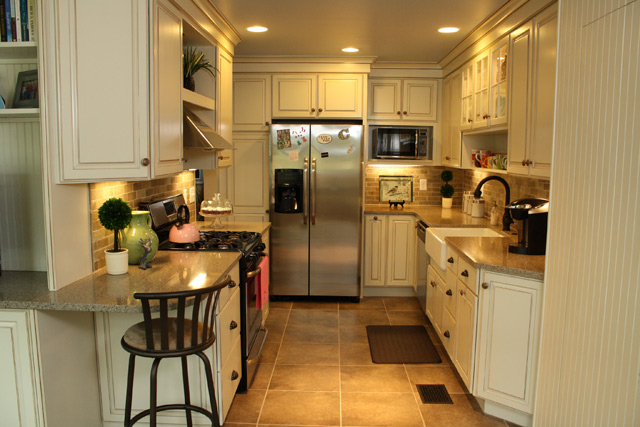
[590, 351]
[22, 235]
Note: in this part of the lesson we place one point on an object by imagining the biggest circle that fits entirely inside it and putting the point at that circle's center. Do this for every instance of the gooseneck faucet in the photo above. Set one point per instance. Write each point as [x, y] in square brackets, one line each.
[506, 218]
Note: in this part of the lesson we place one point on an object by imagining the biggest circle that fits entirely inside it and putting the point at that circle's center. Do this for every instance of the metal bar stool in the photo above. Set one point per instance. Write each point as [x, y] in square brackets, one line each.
[178, 336]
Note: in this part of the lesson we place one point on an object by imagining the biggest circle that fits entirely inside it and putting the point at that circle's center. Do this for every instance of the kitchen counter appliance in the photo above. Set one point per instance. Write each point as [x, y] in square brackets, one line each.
[315, 205]
[252, 334]
[400, 142]
[532, 230]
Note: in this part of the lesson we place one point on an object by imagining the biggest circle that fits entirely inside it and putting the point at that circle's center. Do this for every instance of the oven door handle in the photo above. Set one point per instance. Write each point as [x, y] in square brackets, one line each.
[264, 339]
[253, 273]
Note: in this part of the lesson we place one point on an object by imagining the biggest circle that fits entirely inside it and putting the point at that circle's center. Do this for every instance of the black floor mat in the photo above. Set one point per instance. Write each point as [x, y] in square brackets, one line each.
[401, 344]
[434, 393]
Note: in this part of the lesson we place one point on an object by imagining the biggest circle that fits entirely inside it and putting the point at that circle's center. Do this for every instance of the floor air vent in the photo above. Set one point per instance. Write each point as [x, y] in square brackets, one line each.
[434, 393]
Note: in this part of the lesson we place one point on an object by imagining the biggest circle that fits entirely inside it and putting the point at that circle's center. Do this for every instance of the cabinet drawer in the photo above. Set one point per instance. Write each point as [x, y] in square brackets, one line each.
[452, 260]
[229, 378]
[449, 328]
[467, 275]
[228, 327]
[450, 299]
[225, 293]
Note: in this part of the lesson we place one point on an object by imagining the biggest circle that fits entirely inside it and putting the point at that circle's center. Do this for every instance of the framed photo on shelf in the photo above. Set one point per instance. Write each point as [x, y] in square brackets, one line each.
[396, 188]
[26, 94]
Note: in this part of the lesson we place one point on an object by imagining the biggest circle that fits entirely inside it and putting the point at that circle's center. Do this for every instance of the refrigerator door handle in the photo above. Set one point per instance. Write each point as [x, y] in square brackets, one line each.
[313, 191]
[305, 191]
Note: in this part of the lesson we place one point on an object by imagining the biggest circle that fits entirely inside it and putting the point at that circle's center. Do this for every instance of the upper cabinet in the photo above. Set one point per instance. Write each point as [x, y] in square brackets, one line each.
[118, 112]
[498, 83]
[532, 68]
[251, 102]
[451, 108]
[403, 99]
[322, 96]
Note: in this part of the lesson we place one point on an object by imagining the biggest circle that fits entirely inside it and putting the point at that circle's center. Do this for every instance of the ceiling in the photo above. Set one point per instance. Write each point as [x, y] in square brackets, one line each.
[392, 30]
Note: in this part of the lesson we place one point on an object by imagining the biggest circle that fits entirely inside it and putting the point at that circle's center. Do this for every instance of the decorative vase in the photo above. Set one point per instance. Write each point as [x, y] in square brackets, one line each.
[447, 202]
[117, 262]
[139, 228]
[189, 83]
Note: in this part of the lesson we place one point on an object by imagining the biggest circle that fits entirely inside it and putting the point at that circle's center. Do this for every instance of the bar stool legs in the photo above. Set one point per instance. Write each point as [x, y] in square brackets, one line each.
[154, 392]
[127, 408]
[187, 397]
[212, 395]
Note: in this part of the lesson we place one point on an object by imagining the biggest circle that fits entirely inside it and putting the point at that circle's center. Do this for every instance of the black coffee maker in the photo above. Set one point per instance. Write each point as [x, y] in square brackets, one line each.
[532, 229]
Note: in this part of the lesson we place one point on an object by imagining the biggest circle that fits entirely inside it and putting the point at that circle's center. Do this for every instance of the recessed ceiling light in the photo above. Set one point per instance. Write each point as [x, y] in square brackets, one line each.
[448, 30]
[257, 29]
[350, 49]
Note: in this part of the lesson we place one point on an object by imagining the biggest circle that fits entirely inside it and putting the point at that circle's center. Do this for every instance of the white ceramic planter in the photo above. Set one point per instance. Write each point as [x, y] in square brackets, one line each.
[117, 262]
[447, 202]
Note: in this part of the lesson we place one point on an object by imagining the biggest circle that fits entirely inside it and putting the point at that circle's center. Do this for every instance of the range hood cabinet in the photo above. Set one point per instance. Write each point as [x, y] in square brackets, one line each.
[198, 134]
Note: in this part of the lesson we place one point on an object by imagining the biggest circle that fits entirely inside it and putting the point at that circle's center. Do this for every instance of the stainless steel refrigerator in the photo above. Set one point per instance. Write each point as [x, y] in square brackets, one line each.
[315, 209]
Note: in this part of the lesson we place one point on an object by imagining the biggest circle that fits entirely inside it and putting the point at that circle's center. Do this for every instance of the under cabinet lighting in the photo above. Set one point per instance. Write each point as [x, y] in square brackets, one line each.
[257, 29]
[350, 49]
[447, 30]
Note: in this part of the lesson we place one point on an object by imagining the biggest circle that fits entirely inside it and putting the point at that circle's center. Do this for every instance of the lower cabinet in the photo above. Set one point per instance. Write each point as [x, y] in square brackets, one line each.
[508, 340]
[389, 250]
[435, 295]
[250, 173]
[225, 357]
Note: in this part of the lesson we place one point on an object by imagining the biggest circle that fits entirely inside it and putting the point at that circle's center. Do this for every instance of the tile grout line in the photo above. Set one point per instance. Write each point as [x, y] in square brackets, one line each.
[264, 399]
[415, 398]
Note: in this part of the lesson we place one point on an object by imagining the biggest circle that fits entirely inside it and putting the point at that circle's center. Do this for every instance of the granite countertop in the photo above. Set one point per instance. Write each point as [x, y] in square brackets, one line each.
[256, 227]
[171, 271]
[489, 253]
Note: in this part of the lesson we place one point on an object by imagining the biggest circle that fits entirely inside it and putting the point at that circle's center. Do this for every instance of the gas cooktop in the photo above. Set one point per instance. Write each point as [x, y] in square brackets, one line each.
[217, 241]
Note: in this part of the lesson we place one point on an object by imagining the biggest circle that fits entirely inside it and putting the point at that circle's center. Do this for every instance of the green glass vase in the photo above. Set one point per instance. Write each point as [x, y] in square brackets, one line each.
[139, 228]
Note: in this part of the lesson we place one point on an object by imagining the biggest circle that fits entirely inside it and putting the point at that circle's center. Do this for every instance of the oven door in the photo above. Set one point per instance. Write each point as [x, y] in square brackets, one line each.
[256, 335]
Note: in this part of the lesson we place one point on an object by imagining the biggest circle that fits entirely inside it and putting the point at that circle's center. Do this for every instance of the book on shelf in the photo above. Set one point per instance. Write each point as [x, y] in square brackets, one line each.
[3, 25]
[7, 19]
[24, 20]
[12, 11]
[31, 15]
[17, 20]
[18, 16]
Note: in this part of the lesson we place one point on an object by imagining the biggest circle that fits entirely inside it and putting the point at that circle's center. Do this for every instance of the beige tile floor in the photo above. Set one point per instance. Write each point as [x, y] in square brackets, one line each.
[316, 370]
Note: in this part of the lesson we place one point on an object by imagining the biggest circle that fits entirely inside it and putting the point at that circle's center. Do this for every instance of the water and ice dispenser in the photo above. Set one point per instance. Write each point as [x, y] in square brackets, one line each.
[288, 190]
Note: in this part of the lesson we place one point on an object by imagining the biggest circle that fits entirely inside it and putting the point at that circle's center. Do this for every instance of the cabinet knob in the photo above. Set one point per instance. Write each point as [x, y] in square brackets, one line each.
[462, 292]
[524, 162]
[465, 273]
[433, 283]
[375, 218]
[234, 375]
[447, 334]
[529, 162]
[319, 110]
[145, 162]
[399, 113]
[450, 260]
[485, 285]
[232, 284]
[469, 120]
[266, 123]
[267, 211]
[449, 292]
[448, 158]
[313, 110]
[233, 325]
[404, 112]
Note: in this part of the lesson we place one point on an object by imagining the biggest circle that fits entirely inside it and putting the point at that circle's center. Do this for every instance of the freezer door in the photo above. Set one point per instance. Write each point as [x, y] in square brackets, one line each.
[334, 252]
[289, 267]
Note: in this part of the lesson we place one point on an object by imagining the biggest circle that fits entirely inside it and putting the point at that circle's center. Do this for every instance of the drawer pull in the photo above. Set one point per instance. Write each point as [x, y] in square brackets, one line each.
[232, 284]
[449, 292]
[485, 285]
[465, 273]
[433, 283]
[447, 334]
[233, 325]
[234, 375]
[375, 218]
[462, 292]
[450, 260]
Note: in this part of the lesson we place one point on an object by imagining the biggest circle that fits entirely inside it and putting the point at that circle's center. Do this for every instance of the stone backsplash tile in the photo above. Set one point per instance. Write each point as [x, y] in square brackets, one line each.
[133, 193]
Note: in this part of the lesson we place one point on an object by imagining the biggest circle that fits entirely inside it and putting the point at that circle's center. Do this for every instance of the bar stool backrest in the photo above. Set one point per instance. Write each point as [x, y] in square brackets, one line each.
[180, 332]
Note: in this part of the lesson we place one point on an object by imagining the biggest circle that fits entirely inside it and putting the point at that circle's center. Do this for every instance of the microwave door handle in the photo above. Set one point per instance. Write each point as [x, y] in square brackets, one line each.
[305, 190]
[417, 145]
[313, 191]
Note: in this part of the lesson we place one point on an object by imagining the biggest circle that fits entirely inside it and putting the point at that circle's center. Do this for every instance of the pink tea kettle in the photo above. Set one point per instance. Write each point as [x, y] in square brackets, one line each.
[183, 232]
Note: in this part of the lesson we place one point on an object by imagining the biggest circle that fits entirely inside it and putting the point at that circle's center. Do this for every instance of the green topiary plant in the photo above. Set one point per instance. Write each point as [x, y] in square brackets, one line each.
[447, 189]
[194, 61]
[115, 214]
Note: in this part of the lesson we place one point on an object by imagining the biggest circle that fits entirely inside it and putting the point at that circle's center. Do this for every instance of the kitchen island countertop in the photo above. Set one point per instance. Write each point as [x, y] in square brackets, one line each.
[171, 271]
[488, 253]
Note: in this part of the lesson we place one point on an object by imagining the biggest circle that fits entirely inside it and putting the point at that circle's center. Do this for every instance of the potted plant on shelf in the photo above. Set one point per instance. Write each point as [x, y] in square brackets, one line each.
[115, 215]
[446, 190]
[194, 61]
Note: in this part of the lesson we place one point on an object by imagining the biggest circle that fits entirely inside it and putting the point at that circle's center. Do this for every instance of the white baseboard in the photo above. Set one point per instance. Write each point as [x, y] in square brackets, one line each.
[378, 291]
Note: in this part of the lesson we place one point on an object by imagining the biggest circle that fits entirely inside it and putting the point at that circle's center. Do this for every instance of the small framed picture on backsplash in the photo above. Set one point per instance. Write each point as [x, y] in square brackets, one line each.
[396, 188]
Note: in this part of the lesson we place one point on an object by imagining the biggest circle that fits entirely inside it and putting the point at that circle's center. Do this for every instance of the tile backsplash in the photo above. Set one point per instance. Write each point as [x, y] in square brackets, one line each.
[133, 193]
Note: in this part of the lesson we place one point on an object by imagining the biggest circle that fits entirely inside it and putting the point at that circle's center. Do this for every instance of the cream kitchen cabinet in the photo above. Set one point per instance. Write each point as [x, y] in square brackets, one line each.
[225, 358]
[251, 102]
[322, 96]
[451, 108]
[389, 250]
[532, 70]
[251, 177]
[466, 96]
[435, 298]
[119, 113]
[508, 340]
[498, 83]
[481, 91]
[403, 99]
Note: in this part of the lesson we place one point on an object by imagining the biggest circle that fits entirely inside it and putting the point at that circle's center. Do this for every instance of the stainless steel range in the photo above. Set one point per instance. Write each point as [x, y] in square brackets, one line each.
[252, 335]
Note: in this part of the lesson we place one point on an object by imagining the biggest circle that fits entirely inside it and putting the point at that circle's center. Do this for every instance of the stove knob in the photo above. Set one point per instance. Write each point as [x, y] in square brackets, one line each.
[232, 284]
[233, 325]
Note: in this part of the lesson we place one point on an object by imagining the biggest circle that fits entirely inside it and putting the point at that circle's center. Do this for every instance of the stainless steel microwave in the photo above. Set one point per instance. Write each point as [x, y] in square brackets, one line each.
[402, 143]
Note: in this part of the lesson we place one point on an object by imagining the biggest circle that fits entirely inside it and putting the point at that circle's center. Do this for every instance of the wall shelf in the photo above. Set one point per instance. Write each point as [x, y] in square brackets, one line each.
[19, 113]
[197, 100]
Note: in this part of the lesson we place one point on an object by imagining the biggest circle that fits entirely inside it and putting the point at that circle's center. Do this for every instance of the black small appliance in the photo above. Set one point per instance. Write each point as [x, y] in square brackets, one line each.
[532, 231]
